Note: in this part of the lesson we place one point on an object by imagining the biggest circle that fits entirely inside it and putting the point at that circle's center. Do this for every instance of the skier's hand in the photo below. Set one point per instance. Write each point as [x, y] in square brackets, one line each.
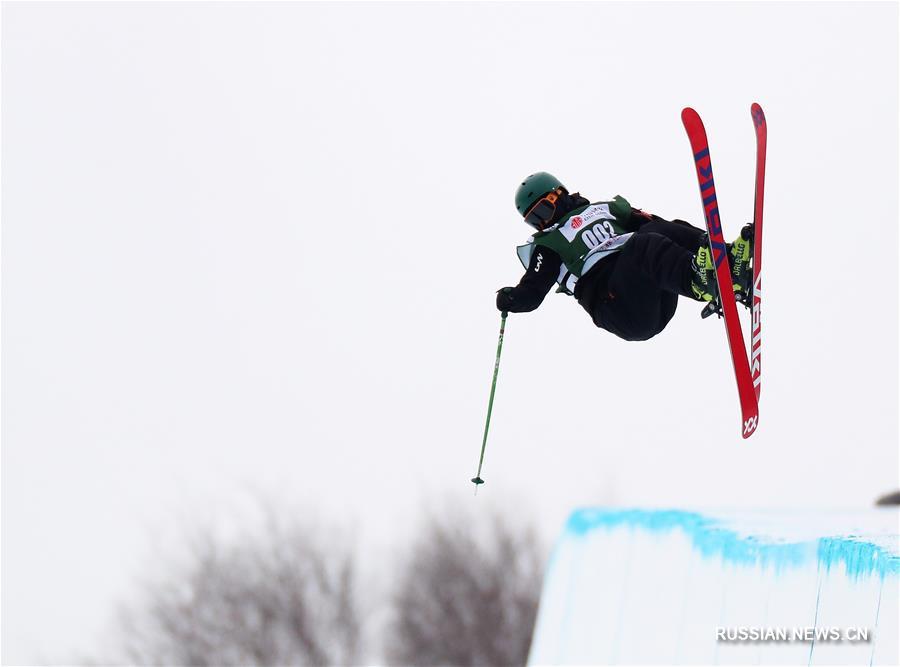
[505, 299]
[639, 217]
[641, 214]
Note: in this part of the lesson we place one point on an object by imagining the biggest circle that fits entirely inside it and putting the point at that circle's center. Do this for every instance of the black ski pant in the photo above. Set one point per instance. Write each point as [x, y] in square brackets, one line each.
[634, 292]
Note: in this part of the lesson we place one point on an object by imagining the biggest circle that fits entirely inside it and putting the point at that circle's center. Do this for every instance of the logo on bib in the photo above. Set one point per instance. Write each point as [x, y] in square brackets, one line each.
[597, 211]
[577, 222]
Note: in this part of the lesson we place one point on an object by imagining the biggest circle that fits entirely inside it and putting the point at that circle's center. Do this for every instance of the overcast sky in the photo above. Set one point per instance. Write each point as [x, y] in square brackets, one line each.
[254, 248]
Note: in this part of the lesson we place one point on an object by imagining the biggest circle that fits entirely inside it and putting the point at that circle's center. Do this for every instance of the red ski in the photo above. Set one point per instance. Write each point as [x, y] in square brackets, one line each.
[700, 146]
[759, 122]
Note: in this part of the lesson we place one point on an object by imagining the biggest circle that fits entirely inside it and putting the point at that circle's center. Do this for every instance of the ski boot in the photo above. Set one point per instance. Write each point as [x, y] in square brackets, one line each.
[703, 279]
[740, 253]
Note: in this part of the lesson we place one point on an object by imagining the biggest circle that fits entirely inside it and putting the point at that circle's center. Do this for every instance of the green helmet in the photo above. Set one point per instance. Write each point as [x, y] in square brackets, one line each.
[533, 188]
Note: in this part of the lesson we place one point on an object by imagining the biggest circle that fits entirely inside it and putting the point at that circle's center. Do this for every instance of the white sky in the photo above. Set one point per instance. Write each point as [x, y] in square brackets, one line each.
[254, 248]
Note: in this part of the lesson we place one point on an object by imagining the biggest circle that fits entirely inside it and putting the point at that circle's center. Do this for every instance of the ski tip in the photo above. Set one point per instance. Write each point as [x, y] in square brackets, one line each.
[691, 120]
[477, 480]
[751, 422]
[756, 112]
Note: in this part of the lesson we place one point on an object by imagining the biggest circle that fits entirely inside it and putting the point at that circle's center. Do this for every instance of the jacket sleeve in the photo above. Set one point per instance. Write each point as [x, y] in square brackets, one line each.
[541, 275]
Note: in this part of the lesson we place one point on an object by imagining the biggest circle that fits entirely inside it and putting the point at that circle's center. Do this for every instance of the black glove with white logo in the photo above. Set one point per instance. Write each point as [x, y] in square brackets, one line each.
[505, 299]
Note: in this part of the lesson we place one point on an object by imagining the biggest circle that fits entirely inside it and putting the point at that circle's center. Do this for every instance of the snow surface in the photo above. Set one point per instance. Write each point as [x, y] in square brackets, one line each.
[654, 586]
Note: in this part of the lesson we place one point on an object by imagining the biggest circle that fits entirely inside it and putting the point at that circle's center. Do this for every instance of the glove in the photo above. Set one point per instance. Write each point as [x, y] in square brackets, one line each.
[505, 299]
[641, 214]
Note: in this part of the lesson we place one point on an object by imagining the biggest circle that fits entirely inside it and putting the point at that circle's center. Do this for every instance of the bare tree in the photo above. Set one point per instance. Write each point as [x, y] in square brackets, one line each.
[467, 599]
[889, 499]
[276, 599]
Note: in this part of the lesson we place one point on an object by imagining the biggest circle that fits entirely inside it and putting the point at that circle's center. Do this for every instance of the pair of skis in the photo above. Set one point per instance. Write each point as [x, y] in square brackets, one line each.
[747, 372]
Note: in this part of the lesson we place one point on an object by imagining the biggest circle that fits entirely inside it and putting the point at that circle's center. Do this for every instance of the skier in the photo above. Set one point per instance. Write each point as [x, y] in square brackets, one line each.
[625, 267]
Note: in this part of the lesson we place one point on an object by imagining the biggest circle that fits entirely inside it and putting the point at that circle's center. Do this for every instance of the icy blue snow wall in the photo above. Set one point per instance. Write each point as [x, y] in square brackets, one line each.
[676, 587]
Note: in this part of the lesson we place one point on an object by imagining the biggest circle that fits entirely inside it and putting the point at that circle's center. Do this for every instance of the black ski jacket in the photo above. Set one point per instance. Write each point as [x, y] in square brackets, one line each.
[545, 264]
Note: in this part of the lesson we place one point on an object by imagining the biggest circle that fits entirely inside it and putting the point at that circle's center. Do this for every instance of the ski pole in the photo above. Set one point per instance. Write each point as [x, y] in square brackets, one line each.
[487, 424]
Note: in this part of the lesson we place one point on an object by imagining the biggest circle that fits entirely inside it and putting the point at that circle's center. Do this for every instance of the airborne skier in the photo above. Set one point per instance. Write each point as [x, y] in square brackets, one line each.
[625, 267]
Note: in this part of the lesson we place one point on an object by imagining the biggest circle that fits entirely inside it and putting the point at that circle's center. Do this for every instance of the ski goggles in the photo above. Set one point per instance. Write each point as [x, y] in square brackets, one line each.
[539, 215]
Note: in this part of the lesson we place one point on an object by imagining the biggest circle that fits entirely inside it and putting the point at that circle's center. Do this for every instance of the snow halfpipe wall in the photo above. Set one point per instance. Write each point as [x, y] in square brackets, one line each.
[676, 587]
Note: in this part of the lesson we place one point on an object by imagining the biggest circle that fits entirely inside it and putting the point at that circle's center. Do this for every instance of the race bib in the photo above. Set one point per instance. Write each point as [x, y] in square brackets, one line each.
[590, 215]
